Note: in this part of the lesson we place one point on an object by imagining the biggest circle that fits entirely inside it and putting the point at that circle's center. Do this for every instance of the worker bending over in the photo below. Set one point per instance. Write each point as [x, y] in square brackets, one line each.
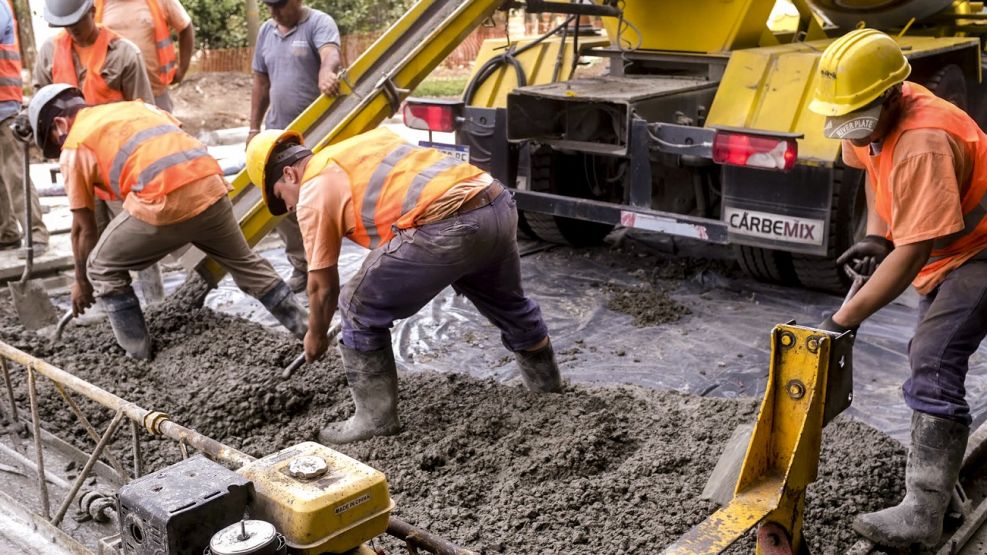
[926, 164]
[173, 194]
[431, 221]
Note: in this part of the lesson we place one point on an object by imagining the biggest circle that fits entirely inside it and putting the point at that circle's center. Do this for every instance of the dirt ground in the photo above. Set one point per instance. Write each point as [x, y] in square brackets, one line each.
[210, 101]
[488, 465]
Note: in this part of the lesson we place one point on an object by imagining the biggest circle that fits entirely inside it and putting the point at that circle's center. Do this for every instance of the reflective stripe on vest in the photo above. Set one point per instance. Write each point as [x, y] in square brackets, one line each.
[11, 84]
[923, 110]
[63, 70]
[392, 183]
[140, 149]
[165, 47]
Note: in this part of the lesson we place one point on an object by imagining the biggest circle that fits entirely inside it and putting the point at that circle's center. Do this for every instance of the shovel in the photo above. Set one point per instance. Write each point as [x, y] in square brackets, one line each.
[300, 359]
[31, 300]
[722, 482]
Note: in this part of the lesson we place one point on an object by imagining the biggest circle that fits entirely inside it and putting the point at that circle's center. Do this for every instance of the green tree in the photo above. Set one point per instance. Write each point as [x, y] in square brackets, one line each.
[223, 23]
[219, 23]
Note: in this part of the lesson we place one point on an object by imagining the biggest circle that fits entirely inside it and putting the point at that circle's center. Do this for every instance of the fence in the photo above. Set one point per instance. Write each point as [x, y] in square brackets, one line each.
[238, 59]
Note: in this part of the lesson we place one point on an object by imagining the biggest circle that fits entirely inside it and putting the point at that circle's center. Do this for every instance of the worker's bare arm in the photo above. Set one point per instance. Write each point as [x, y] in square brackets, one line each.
[890, 279]
[329, 70]
[84, 237]
[186, 45]
[323, 295]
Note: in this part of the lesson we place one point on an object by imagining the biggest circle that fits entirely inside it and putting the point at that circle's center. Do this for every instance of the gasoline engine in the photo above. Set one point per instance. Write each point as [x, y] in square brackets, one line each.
[305, 499]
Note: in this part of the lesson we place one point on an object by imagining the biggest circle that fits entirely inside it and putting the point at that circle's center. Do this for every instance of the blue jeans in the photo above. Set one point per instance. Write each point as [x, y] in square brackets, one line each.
[475, 252]
[952, 323]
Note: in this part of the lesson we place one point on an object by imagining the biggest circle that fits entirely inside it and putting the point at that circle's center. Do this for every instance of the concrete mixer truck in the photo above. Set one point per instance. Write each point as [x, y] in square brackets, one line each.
[700, 126]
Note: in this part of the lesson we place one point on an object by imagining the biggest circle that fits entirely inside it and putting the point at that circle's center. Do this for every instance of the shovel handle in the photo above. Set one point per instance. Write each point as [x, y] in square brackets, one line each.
[300, 359]
[62, 322]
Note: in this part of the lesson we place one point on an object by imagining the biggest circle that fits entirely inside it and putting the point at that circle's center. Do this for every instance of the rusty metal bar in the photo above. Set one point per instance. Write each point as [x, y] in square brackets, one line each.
[36, 431]
[103, 442]
[10, 388]
[216, 450]
[417, 537]
[135, 440]
[91, 431]
[155, 422]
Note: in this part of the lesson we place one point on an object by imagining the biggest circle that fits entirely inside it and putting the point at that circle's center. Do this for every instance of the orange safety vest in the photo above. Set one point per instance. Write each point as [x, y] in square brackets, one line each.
[94, 89]
[392, 182]
[11, 84]
[139, 150]
[167, 59]
[923, 110]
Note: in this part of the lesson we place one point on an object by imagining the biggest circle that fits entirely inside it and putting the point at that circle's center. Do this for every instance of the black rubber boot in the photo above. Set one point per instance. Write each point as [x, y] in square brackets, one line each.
[281, 303]
[539, 371]
[127, 319]
[933, 467]
[373, 380]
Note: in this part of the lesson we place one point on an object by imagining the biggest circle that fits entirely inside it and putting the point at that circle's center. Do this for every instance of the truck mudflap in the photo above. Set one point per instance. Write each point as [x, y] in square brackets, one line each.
[703, 229]
[783, 211]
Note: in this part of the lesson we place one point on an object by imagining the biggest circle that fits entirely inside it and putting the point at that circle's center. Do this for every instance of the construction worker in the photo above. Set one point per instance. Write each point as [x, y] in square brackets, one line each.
[296, 58]
[12, 201]
[149, 24]
[431, 221]
[926, 164]
[105, 66]
[173, 194]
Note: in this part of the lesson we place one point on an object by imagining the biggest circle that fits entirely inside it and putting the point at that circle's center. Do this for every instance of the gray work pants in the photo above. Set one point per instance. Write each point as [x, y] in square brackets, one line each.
[12, 191]
[294, 247]
[128, 244]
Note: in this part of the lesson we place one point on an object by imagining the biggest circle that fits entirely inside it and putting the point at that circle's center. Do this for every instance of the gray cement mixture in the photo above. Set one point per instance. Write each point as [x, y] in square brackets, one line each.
[486, 464]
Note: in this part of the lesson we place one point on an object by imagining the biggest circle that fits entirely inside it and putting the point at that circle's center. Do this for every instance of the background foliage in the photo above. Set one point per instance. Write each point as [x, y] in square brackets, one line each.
[223, 23]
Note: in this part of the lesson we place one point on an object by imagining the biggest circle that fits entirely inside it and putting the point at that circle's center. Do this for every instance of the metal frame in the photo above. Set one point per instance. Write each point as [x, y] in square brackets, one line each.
[155, 423]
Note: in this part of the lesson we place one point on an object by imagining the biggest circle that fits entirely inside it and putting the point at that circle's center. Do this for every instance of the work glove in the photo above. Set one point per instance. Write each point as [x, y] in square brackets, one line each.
[21, 126]
[830, 325]
[865, 255]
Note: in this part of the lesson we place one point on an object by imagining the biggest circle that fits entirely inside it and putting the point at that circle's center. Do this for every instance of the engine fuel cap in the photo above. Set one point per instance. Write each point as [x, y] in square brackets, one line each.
[308, 467]
[247, 537]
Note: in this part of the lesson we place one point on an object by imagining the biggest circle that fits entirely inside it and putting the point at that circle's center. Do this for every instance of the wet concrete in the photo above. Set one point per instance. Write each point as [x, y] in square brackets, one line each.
[486, 464]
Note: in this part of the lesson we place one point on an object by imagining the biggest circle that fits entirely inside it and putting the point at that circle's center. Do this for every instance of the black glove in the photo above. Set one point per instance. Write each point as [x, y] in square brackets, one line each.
[830, 325]
[21, 126]
[864, 255]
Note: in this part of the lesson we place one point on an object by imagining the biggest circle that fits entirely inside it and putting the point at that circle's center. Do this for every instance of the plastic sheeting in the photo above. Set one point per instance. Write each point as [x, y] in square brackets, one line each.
[721, 349]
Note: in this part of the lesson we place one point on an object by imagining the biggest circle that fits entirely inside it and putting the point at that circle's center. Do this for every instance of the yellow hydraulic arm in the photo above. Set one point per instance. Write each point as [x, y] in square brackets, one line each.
[372, 90]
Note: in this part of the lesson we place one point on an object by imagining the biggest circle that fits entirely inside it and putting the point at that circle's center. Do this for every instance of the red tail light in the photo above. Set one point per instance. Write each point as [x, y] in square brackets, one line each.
[754, 151]
[430, 117]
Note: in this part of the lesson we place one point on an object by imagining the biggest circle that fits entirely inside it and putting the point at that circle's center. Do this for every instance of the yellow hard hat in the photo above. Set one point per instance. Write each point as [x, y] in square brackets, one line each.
[855, 70]
[259, 153]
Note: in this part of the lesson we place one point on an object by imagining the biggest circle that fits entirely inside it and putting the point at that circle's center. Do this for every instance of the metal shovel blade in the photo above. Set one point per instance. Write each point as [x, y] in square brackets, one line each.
[33, 306]
[723, 481]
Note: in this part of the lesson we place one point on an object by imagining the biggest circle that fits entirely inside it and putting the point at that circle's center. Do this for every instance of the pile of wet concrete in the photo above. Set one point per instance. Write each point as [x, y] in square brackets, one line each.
[488, 465]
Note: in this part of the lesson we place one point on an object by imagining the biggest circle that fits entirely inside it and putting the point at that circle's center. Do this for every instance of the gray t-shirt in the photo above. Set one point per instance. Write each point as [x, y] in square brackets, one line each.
[7, 36]
[291, 61]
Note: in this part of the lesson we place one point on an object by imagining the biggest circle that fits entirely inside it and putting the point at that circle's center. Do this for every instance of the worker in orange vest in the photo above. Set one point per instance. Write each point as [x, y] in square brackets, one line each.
[173, 195]
[926, 164]
[431, 221]
[105, 66]
[12, 199]
[149, 24]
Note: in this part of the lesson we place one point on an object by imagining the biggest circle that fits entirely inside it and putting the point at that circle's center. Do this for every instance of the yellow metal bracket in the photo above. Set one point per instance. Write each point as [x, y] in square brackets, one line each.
[807, 386]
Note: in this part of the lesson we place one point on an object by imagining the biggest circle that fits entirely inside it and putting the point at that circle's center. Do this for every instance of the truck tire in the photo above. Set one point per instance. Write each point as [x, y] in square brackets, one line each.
[766, 265]
[549, 171]
[566, 231]
[949, 83]
[848, 224]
